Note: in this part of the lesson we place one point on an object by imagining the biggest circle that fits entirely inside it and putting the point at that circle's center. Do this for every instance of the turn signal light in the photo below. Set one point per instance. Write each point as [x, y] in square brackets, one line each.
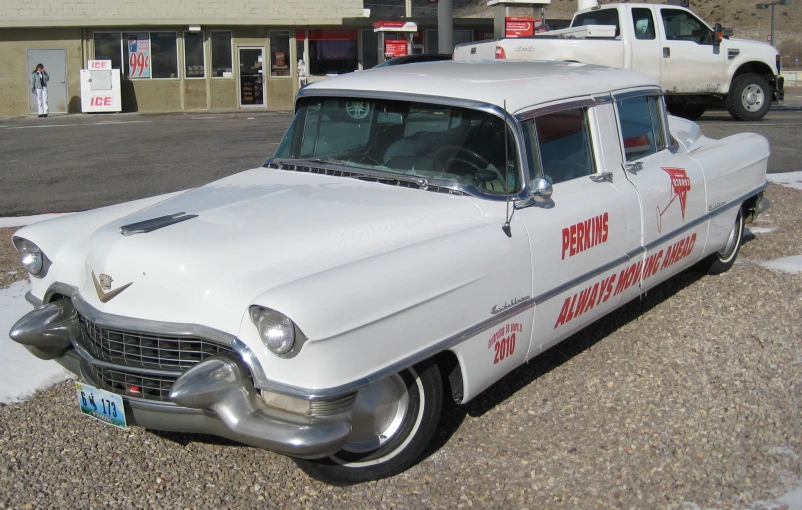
[500, 54]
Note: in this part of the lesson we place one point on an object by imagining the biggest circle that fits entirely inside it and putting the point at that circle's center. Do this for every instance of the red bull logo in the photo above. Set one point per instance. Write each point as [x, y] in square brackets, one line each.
[680, 186]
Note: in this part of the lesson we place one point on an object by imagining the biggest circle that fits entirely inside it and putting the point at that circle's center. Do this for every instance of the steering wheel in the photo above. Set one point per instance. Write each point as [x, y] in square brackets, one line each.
[448, 154]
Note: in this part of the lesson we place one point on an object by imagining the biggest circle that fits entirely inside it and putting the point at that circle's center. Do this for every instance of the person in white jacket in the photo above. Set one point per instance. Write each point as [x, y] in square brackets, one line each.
[39, 79]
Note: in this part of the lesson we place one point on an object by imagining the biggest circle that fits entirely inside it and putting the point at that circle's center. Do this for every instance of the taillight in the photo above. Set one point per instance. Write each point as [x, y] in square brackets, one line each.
[500, 54]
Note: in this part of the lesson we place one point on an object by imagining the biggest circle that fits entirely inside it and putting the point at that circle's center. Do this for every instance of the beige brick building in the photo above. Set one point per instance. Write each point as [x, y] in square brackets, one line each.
[195, 55]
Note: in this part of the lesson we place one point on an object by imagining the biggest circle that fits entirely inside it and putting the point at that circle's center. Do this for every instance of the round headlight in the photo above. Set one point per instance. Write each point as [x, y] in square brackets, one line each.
[32, 258]
[276, 330]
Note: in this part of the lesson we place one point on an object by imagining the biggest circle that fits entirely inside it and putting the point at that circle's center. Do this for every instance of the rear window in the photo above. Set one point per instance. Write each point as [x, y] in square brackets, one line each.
[600, 17]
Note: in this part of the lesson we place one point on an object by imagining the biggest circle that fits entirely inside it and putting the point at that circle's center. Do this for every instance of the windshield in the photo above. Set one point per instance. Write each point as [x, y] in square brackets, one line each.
[458, 145]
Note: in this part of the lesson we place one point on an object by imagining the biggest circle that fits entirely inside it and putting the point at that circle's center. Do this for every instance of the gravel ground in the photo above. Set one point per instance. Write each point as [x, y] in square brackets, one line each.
[689, 396]
[10, 268]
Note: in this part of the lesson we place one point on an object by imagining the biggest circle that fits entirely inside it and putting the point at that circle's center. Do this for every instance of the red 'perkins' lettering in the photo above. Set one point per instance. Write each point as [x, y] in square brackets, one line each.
[600, 292]
[585, 235]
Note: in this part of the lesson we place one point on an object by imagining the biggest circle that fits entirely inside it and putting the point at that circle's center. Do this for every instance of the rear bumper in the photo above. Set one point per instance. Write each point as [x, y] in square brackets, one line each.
[779, 90]
[216, 396]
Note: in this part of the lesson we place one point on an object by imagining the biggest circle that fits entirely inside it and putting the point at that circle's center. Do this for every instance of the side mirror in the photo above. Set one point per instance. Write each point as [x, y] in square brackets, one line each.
[539, 193]
[718, 36]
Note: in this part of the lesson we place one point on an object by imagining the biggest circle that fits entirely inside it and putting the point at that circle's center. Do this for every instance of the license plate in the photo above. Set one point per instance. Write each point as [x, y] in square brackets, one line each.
[101, 405]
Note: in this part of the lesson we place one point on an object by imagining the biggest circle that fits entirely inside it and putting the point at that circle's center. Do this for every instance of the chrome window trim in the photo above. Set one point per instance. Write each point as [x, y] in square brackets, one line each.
[511, 120]
[629, 94]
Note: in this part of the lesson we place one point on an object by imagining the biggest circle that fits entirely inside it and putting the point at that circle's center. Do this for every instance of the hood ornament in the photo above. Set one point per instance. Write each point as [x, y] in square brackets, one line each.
[103, 287]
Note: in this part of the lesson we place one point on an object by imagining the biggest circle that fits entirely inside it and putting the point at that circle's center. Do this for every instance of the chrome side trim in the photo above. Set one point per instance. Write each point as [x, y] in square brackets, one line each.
[706, 216]
[587, 276]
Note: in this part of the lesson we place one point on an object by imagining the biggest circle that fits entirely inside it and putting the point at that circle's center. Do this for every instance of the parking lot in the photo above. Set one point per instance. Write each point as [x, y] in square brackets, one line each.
[690, 397]
[79, 162]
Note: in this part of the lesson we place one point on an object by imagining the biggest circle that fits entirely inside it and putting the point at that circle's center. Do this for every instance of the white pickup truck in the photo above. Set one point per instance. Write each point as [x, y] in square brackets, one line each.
[697, 66]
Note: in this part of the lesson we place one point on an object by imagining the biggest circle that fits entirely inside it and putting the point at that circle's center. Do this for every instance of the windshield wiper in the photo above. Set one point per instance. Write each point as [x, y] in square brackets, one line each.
[355, 172]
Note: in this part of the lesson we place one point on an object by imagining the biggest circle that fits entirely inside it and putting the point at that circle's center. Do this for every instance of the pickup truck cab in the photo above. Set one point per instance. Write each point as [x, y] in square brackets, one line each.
[694, 63]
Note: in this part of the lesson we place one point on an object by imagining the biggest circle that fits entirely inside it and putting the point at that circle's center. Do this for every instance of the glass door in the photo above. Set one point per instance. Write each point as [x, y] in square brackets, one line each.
[251, 77]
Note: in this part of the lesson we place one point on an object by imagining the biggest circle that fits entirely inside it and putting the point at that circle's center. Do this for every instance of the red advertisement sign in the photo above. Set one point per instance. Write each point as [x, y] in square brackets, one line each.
[519, 26]
[395, 49]
[482, 35]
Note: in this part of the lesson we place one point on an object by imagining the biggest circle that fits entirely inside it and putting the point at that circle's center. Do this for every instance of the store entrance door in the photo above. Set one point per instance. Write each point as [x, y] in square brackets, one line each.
[55, 63]
[251, 77]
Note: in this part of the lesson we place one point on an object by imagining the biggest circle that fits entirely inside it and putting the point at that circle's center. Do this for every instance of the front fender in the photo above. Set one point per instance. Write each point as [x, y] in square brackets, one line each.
[395, 308]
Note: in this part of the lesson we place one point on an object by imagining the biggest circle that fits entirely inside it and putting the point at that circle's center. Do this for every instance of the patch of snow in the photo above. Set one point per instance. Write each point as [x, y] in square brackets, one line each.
[792, 498]
[787, 179]
[760, 230]
[21, 373]
[21, 221]
[792, 265]
[784, 450]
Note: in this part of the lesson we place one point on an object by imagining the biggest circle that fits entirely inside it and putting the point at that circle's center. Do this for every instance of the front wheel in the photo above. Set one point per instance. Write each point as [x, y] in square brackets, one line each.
[722, 260]
[749, 97]
[393, 421]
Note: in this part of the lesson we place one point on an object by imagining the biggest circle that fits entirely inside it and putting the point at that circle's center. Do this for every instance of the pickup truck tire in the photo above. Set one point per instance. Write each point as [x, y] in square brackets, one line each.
[687, 111]
[394, 420]
[749, 97]
[722, 260]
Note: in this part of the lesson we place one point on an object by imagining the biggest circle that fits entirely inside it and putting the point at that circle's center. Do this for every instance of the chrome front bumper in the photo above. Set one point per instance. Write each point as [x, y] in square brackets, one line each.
[216, 396]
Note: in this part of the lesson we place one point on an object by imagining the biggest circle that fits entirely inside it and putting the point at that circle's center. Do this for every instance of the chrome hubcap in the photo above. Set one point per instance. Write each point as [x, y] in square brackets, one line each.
[752, 98]
[732, 240]
[378, 414]
[357, 109]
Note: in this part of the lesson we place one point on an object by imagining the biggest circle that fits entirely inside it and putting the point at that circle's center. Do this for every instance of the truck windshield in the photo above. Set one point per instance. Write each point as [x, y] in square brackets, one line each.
[421, 140]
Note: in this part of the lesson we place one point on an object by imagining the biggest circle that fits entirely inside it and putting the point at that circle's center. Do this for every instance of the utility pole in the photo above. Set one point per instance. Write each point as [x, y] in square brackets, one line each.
[445, 27]
[772, 4]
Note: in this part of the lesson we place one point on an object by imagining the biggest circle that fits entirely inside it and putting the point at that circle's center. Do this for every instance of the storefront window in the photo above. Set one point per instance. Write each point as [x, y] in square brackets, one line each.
[370, 49]
[193, 55]
[165, 54]
[279, 53]
[107, 47]
[221, 55]
[333, 52]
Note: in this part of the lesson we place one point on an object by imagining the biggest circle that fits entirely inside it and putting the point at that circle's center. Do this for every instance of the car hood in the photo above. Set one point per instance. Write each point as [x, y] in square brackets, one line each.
[256, 231]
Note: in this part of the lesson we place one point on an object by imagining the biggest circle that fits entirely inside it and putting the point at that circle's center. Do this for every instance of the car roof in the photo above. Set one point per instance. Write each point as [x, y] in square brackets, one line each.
[519, 83]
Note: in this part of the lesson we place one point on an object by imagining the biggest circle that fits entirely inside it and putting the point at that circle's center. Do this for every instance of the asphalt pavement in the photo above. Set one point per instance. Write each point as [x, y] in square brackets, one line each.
[78, 162]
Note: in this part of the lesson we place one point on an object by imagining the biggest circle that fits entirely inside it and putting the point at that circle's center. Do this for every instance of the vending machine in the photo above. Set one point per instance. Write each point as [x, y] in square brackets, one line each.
[400, 41]
[100, 88]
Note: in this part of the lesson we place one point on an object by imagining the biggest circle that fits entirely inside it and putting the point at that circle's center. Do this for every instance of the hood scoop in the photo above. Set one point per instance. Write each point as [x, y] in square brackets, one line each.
[143, 227]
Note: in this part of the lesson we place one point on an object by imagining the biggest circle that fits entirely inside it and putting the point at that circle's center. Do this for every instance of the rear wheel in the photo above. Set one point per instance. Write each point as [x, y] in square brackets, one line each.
[722, 260]
[687, 111]
[749, 97]
[393, 421]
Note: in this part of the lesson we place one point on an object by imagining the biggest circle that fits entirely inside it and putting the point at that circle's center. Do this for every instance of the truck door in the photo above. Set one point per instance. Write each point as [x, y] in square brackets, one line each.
[670, 186]
[690, 62]
[644, 44]
[581, 239]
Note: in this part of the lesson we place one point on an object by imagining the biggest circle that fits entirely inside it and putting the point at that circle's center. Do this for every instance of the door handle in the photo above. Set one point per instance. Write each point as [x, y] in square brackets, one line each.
[602, 177]
[666, 52]
[634, 168]
[64, 82]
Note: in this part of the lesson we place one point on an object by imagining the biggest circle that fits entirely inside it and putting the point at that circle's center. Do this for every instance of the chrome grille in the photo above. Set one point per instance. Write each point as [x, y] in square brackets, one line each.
[150, 387]
[147, 350]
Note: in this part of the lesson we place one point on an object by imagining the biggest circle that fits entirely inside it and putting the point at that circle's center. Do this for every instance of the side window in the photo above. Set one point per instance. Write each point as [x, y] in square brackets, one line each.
[681, 25]
[643, 22]
[641, 126]
[561, 142]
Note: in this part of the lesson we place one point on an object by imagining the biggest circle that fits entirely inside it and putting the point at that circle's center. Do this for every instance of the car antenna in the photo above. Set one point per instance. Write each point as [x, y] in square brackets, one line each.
[506, 227]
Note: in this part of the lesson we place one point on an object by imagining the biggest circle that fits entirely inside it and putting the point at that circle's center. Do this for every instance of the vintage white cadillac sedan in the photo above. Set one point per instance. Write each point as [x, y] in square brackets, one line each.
[421, 231]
